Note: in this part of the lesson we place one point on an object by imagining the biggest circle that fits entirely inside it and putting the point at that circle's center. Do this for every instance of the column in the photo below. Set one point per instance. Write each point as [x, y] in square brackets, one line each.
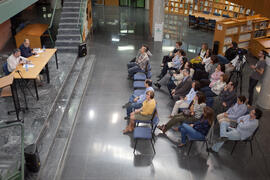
[264, 95]
[158, 20]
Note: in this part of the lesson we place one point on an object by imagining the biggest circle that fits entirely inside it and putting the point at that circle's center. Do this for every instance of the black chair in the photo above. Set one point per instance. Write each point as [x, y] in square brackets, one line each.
[226, 16]
[211, 24]
[216, 14]
[206, 12]
[248, 140]
[205, 140]
[192, 21]
[202, 23]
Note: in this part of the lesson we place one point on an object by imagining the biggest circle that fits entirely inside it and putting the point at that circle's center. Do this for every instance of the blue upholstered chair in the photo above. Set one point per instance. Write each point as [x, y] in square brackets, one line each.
[192, 21]
[216, 14]
[5, 69]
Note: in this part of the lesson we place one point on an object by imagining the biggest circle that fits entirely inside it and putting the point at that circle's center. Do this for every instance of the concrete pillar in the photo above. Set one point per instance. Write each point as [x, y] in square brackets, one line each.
[58, 5]
[264, 96]
[158, 20]
[146, 4]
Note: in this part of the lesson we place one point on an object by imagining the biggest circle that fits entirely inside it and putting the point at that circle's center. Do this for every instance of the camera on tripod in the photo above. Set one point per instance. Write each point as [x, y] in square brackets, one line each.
[240, 59]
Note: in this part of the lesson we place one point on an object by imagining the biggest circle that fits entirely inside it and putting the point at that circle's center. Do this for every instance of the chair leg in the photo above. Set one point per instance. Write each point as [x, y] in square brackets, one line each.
[135, 146]
[207, 147]
[234, 147]
[250, 142]
[153, 146]
[191, 142]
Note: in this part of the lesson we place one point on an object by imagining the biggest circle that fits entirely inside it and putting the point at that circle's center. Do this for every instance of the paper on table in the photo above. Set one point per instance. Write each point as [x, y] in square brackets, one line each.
[38, 50]
[29, 65]
[37, 55]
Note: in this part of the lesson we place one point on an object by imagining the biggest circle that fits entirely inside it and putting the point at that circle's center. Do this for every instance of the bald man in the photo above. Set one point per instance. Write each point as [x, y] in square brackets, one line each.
[26, 51]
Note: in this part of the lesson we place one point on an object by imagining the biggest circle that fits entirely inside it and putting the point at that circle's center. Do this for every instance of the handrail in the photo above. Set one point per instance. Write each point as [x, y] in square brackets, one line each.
[6, 125]
[80, 19]
[56, 1]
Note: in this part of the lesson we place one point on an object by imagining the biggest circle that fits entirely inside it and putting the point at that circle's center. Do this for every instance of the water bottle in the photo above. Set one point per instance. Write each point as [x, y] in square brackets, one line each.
[26, 67]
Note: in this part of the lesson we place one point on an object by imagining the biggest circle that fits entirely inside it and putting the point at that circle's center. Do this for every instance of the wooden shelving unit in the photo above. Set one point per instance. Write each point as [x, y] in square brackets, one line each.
[241, 30]
[186, 7]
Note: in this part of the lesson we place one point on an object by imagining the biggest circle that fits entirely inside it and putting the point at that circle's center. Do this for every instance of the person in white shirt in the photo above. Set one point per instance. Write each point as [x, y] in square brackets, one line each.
[245, 128]
[15, 59]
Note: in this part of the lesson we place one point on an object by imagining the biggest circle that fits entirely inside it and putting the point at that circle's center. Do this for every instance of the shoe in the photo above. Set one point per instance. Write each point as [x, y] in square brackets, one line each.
[126, 131]
[126, 118]
[126, 105]
[181, 145]
[211, 150]
[158, 76]
[157, 85]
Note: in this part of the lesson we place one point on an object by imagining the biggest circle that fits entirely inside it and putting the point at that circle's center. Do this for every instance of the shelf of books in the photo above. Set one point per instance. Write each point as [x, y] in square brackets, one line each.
[241, 30]
[222, 7]
[171, 27]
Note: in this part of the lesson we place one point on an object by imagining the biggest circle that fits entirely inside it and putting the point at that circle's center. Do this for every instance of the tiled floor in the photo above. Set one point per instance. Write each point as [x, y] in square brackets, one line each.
[99, 150]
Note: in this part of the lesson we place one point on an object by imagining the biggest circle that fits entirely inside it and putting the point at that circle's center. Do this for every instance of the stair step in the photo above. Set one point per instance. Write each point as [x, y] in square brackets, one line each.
[71, 9]
[72, 0]
[65, 49]
[69, 25]
[69, 31]
[68, 37]
[70, 14]
[48, 134]
[56, 158]
[72, 4]
[69, 20]
[67, 43]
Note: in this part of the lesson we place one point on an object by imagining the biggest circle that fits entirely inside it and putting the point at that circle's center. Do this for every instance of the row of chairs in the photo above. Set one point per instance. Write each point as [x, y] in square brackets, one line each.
[201, 22]
[147, 130]
[217, 14]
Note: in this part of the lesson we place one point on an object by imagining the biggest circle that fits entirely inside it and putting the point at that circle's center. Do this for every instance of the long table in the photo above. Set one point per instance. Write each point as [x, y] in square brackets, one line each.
[39, 63]
[209, 16]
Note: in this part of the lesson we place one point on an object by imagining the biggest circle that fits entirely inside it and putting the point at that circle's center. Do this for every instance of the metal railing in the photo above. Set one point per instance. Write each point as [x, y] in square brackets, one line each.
[82, 14]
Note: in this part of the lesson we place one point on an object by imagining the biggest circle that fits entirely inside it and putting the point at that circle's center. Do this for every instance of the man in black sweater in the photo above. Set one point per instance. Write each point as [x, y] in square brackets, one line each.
[26, 51]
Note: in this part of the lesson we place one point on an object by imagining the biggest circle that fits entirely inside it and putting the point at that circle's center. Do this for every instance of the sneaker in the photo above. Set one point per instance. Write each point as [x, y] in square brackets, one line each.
[126, 118]
[157, 85]
[126, 105]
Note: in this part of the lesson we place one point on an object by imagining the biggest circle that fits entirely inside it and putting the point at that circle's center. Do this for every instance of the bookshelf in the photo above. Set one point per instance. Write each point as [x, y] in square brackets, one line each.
[222, 7]
[241, 30]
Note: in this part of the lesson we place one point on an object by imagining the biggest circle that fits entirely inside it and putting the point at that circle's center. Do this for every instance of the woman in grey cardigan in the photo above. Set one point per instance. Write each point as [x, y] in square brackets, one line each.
[189, 115]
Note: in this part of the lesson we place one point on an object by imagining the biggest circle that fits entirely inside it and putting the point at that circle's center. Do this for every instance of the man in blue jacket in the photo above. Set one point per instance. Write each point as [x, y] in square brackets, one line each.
[26, 51]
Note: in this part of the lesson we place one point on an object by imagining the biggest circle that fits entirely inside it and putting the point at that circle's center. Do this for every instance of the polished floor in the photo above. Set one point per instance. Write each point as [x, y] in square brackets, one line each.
[99, 151]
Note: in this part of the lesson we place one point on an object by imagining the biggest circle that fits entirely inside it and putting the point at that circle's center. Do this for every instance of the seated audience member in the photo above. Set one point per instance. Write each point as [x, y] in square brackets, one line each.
[191, 115]
[230, 54]
[174, 65]
[201, 54]
[208, 69]
[185, 102]
[136, 102]
[216, 88]
[26, 51]
[170, 56]
[246, 125]
[140, 63]
[183, 88]
[233, 113]
[257, 74]
[226, 98]
[15, 59]
[131, 62]
[145, 113]
[199, 129]
[214, 76]
[205, 61]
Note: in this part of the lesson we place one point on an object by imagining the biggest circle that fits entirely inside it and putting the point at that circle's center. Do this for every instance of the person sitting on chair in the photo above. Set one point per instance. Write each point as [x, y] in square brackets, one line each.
[192, 114]
[26, 51]
[136, 102]
[145, 113]
[170, 56]
[140, 63]
[15, 59]
[201, 54]
[233, 113]
[246, 126]
[216, 88]
[183, 88]
[199, 129]
[226, 98]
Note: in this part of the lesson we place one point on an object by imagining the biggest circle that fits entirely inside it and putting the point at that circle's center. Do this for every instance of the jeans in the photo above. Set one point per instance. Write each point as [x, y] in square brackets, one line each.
[131, 64]
[222, 59]
[208, 92]
[133, 70]
[171, 85]
[226, 131]
[252, 85]
[131, 98]
[133, 106]
[187, 130]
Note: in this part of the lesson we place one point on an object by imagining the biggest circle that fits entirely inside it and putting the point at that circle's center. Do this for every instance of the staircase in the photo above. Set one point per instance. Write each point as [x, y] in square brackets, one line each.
[69, 36]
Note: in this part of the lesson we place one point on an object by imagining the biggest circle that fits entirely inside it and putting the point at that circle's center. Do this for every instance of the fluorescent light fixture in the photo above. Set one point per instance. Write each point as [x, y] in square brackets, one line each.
[123, 31]
[191, 50]
[167, 48]
[125, 48]
[115, 39]
[131, 31]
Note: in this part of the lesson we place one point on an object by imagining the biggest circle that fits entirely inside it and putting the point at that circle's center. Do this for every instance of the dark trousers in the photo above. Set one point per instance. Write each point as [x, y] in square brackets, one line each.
[166, 59]
[171, 85]
[252, 85]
